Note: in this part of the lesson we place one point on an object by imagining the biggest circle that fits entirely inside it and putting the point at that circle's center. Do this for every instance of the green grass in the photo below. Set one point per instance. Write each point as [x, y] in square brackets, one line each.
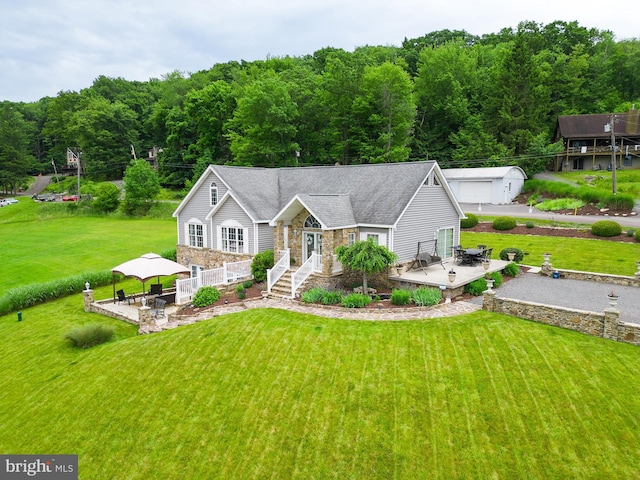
[627, 181]
[275, 394]
[601, 256]
[42, 245]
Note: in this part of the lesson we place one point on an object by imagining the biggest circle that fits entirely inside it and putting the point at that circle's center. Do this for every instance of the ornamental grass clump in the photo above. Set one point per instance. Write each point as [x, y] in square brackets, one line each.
[426, 297]
[89, 336]
[511, 270]
[313, 295]
[356, 300]
[400, 297]
[206, 296]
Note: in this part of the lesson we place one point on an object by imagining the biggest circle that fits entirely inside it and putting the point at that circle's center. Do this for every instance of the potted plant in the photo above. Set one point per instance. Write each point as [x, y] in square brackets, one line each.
[452, 275]
[613, 298]
[485, 264]
[489, 280]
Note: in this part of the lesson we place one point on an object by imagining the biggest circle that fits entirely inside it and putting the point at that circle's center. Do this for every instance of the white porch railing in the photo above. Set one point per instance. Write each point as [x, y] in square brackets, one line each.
[274, 274]
[229, 272]
[313, 264]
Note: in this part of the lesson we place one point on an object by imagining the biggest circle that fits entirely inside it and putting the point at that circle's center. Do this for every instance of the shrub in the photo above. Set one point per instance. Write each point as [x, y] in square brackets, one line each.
[425, 297]
[260, 264]
[511, 270]
[631, 232]
[239, 288]
[637, 236]
[469, 222]
[529, 224]
[242, 295]
[332, 298]
[89, 335]
[33, 294]
[606, 228]
[504, 223]
[497, 279]
[206, 296]
[314, 295]
[247, 283]
[476, 287]
[356, 300]
[400, 297]
[518, 257]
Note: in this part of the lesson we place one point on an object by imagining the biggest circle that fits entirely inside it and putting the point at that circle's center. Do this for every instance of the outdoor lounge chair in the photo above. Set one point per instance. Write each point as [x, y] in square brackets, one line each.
[122, 297]
[158, 308]
[156, 289]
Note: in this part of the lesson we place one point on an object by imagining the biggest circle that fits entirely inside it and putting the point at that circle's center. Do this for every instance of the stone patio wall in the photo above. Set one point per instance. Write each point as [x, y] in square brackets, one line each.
[605, 325]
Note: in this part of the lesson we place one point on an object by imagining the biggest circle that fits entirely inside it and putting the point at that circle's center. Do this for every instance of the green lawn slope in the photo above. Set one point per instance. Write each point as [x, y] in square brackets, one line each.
[273, 394]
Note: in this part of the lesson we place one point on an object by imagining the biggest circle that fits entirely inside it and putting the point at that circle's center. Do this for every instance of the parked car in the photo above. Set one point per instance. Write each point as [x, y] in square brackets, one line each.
[7, 201]
[49, 197]
[70, 198]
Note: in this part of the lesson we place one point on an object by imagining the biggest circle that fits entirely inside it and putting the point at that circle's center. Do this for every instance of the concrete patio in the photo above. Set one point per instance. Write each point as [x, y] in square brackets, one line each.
[128, 313]
[436, 276]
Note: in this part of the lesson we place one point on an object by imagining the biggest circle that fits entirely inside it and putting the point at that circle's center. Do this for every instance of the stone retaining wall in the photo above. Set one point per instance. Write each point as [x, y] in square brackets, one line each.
[605, 325]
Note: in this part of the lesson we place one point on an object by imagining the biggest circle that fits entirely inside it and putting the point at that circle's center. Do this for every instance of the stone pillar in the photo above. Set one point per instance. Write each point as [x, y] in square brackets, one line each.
[488, 300]
[88, 299]
[144, 316]
[611, 318]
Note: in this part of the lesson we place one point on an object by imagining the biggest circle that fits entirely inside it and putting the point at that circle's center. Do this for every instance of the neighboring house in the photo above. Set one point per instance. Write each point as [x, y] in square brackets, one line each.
[232, 213]
[587, 141]
[495, 185]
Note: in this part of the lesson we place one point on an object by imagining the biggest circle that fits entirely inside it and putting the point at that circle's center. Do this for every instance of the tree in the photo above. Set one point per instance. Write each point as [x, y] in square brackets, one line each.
[106, 197]
[263, 128]
[387, 106]
[366, 256]
[141, 186]
[15, 159]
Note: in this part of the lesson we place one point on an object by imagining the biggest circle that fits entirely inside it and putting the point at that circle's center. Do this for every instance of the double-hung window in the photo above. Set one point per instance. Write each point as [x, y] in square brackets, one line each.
[196, 235]
[232, 239]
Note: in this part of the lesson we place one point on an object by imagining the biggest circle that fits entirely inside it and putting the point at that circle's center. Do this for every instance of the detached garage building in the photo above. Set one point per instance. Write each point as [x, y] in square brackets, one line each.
[494, 185]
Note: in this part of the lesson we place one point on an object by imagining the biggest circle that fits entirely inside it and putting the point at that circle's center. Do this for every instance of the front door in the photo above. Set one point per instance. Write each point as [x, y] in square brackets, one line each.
[312, 242]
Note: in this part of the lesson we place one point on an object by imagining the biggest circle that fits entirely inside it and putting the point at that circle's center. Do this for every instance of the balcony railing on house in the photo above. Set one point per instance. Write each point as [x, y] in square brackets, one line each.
[228, 273]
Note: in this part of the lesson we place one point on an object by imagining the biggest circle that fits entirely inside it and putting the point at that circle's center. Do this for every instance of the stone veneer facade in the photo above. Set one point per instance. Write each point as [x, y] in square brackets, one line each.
[206, 257]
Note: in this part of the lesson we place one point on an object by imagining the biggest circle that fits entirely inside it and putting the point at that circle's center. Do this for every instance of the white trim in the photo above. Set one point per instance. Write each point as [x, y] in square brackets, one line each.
[382, 237]
[187, 239]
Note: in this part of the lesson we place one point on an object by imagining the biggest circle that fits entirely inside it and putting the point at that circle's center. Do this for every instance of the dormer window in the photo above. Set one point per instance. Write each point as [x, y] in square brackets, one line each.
[312, 222]
[214, 194]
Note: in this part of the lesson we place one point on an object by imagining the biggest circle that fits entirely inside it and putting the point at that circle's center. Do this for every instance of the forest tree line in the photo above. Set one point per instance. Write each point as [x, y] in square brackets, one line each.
[449, 96]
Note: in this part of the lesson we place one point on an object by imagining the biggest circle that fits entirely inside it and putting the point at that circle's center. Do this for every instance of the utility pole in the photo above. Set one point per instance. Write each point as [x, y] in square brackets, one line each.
[613, 152]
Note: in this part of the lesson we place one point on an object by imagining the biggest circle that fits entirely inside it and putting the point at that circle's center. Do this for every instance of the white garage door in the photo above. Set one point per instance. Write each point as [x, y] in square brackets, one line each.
[475, 192]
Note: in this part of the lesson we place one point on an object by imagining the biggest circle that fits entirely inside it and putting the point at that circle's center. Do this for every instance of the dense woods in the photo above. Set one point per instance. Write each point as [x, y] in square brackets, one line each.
[460, 99]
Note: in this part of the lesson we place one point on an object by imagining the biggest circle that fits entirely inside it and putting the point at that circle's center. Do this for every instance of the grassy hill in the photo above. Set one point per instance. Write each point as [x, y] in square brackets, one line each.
[272, 394]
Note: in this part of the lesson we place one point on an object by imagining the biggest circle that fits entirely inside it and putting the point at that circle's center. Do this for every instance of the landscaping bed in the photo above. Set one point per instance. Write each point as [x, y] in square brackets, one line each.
[486, 227]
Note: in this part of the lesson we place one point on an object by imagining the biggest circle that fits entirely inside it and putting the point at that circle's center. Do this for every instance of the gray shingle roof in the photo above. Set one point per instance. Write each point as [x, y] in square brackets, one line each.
[376, 193]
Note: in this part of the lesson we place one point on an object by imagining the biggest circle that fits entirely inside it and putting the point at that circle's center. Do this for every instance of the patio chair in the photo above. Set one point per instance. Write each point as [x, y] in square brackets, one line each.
[158, 308]
[156, 289]
[123, 297]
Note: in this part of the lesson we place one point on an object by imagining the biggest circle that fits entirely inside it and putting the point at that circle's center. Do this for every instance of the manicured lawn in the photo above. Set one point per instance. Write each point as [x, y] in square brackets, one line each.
[38, 248]
[568, 253]
[273, 394]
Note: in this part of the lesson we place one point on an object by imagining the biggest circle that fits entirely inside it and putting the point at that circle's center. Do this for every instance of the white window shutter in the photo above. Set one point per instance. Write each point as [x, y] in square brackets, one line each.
[245, 240]
[218, 245]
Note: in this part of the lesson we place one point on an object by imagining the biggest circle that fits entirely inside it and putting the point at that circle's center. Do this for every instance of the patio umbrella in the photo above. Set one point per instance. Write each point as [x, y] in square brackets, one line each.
[148, 266]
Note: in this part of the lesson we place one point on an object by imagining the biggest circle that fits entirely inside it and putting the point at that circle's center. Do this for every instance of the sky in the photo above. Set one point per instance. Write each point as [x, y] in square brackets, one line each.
[49, 46]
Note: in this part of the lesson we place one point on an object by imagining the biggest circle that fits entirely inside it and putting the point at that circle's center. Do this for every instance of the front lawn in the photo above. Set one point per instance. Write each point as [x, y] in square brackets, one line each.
[275, 394]
[600, 256]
